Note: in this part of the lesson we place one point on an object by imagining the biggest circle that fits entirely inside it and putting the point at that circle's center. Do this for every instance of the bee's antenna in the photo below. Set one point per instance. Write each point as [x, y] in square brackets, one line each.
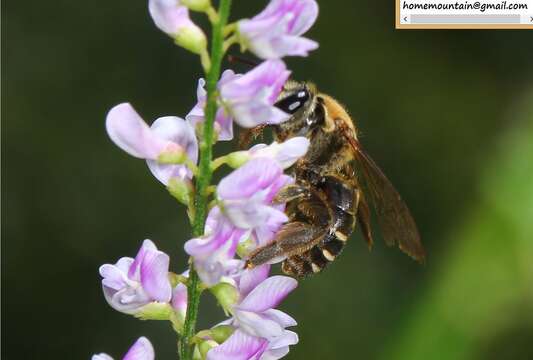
[234, 59]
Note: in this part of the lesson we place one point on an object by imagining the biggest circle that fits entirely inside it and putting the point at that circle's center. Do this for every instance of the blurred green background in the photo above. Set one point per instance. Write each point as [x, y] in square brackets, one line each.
[447, 114]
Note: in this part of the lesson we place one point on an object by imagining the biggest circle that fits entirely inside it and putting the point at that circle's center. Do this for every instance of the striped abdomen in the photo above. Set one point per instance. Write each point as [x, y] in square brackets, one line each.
[339, 204]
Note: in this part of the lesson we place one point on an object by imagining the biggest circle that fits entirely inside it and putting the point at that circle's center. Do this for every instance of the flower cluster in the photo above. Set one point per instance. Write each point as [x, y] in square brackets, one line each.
[242, 214]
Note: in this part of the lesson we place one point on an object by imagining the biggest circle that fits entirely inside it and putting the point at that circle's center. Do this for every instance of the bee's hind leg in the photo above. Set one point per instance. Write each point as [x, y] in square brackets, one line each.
[291, 192]
[293, 238]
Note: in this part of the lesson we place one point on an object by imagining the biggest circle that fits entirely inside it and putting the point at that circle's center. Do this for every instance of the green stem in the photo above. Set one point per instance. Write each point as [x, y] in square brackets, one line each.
[218, 162]
[233, 39]
[203, 179]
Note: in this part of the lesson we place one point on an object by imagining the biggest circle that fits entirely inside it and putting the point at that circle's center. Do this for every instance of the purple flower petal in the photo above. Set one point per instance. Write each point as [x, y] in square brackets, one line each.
[250, 278]
[176, 131]
[141, 350]
[250, 97]
[101, 356]
[221, 233]
[257, 324]
[239, 346]
[179, 299]
[255, 175]
[276, 31]
[129, 132]
[285, 154]
[223, 121]
[135, 268]
[169, 15]
[113, 277]
[280, 317]
[154, 276]
[127, 300]
[288, 338]
[268, 294]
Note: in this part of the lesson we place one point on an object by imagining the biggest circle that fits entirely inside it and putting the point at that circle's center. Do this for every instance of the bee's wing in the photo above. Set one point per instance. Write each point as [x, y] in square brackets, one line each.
[394, 218]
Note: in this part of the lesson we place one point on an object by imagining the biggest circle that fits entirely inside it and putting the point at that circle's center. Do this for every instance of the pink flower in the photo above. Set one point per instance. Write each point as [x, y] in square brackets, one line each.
[171, 17]
[285, 153]
[246, 198]
[167, 135]
[249, 99]
[213, 253]
[141, 350]
[260, 329]
[130, 284]
[277, 30]
[223, 122]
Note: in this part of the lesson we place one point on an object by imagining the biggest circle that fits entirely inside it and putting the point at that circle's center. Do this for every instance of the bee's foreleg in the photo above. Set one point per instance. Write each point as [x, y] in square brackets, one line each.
[293, 238]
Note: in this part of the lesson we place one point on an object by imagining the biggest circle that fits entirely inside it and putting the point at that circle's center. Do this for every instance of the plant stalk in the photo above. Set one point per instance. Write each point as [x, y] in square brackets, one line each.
[185, 347]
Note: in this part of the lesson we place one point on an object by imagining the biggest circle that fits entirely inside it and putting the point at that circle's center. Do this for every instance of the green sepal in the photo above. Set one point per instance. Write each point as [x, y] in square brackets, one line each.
[191, 38]
[172, 157]
[237, 159]
[226, 294]
[221, 333]
[155, 311]
[180, 189]
[197, 5]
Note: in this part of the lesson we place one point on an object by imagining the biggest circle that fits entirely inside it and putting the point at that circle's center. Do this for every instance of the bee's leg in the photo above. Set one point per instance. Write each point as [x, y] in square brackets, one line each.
[291, 192]
[247, 136]
[293, 238]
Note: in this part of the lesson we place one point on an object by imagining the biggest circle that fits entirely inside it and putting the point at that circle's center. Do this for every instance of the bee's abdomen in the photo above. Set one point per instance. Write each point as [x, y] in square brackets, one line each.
[341, 200]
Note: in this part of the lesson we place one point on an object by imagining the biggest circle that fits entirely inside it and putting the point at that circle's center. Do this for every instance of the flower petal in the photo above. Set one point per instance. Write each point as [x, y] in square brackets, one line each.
[169, 15]
[129, 132]
[250, 278]
[135, 268]
[141, 350]
[154, 276]
[101, 356]
[113, 277]
[255, 175]
[288, 338]
[286, 153]
[239, 346]
[275, 32]
[280, 317]
[250, 97]
[268, 294]
[257, 324]
[179, 299]
[179, 132]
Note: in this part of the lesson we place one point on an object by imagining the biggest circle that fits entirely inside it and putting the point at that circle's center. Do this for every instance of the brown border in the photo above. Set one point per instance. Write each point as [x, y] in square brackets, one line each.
[401, 26]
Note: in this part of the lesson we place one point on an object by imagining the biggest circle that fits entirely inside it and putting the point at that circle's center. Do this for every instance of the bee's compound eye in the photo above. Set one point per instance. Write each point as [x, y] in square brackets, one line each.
[293, 102]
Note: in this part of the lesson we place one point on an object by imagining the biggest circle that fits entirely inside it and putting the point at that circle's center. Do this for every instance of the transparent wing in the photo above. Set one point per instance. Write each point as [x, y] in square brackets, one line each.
[394, 218]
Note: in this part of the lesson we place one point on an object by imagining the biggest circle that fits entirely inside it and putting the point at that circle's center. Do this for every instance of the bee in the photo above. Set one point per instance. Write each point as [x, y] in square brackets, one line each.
[335, 184]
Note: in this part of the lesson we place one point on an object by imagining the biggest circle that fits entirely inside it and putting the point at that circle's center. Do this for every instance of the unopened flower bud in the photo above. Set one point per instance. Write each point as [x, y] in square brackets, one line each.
[226, 294]
[205, 346]
[172, 17]
[180, 189]
[221, 333]
[155, 311]
[197, 5]
[191, 38]
[237, 159]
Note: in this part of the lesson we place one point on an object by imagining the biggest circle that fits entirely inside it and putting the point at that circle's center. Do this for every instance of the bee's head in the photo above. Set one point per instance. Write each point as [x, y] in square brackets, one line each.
[300, 101]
